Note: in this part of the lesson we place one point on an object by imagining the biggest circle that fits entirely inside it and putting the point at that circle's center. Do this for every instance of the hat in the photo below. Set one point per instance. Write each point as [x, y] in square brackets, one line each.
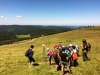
[63, 48]
[57, 45]
[48, 49]
[70, 44]
[67, 48]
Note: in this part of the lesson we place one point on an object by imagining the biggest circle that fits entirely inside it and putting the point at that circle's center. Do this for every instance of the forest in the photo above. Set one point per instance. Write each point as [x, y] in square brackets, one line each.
[8, 32]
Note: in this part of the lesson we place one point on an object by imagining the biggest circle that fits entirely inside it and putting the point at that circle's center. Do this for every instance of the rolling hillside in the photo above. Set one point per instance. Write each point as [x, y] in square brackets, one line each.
[10, 33]
[28, 29]
[13, 61]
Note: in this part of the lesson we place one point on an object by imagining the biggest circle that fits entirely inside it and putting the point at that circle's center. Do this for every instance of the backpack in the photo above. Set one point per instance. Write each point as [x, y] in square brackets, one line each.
[75, 56]
[50, 53]
[27, 53]
[68, 53]
[77, 48]
[55, 54]
[89, 46]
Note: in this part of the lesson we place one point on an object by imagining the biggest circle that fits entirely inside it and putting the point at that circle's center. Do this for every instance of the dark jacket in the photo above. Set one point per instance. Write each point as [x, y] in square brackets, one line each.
[30, 53]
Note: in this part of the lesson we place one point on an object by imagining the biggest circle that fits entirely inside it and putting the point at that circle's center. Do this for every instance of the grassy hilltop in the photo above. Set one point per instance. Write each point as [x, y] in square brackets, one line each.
[13, 61]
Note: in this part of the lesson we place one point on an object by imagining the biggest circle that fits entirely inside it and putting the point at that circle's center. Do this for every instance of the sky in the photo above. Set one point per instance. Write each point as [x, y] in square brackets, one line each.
[50, 12]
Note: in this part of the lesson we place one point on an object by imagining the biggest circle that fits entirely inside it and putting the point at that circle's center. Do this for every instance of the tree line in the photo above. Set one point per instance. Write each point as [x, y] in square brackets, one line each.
[8, 32]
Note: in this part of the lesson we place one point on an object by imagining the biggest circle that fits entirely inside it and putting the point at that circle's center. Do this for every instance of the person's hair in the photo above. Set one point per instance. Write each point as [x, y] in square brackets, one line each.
[63, 48]
[73, 47]
[84, 40]
[32, 46]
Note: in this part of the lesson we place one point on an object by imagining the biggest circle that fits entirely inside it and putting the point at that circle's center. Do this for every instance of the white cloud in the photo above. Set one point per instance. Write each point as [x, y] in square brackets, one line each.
[19, 16]
[17, 19]
[1, 16]
[6, 18]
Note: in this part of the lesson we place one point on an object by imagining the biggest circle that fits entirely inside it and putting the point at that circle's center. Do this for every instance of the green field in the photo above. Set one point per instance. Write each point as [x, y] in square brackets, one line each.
[13, 61]
[23, 36]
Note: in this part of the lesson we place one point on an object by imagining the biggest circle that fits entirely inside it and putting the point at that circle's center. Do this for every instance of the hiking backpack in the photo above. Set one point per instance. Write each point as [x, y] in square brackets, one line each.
[75, 56]
[27, 53]
[50, 53]
[89, 46]
[55, 55]
[68, 53]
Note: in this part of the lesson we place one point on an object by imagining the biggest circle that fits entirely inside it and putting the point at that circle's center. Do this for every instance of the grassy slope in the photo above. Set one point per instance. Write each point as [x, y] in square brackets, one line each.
[13, 61]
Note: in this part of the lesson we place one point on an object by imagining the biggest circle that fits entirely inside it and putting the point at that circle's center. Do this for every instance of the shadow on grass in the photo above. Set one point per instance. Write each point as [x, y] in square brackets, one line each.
[89, 59]
[36, 64]
[53, 63]
[65, 72]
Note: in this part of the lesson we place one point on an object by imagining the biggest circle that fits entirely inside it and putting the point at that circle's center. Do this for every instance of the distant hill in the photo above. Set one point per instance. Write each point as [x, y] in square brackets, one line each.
[27, 29]
[10, 31]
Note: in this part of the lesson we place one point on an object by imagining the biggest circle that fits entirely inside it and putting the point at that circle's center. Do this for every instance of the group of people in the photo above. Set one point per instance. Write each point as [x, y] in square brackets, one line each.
[64, 56]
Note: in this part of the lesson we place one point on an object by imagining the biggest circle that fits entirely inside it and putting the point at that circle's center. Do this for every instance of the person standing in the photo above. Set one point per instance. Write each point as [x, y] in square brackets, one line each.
[55, 57]
[84, 50]
[30, 55]
[74, 57]
[49, 54]
[64, 61]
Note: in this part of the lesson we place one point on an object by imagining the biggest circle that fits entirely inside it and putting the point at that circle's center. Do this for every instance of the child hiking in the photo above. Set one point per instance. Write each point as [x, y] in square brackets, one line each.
[49, 54]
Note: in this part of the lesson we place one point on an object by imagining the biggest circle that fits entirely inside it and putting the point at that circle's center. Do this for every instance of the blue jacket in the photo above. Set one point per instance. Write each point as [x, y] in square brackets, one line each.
[30, 53]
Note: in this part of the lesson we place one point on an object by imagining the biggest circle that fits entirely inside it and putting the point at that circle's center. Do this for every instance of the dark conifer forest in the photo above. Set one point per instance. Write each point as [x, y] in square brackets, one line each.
[8, 32]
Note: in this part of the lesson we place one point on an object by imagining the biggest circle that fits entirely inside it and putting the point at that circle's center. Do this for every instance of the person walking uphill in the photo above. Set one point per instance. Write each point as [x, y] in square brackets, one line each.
[30, 54]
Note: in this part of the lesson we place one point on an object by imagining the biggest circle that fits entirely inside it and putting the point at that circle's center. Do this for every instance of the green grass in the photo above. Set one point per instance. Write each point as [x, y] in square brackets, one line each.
[13, 61]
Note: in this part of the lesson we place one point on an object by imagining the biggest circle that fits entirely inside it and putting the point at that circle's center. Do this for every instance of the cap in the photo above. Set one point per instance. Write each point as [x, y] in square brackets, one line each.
[70, 44]
[67, 48]
[57, 45]
[63, 48]
[48, 49]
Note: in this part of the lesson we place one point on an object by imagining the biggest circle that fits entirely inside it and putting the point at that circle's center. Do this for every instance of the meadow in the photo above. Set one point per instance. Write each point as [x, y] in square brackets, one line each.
[14, 62]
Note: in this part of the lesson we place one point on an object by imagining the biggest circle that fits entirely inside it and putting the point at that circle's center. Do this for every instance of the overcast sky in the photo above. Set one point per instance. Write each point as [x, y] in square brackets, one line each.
[50, 12]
